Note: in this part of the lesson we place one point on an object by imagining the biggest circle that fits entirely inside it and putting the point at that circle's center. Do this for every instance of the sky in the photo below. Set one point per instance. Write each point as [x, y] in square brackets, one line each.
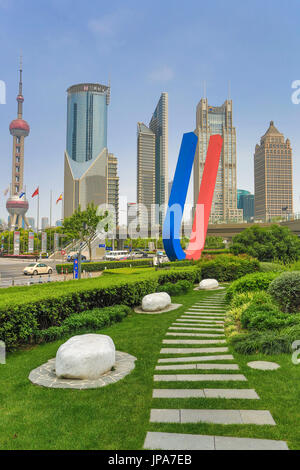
[144, 49]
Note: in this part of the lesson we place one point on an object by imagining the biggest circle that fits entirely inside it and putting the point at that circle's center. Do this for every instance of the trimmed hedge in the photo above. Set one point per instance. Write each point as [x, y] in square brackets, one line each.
[91, 319]
[134, 263]
[176, 289]
[251, 282]
[101, 265]
[20, 322]
[228, 267]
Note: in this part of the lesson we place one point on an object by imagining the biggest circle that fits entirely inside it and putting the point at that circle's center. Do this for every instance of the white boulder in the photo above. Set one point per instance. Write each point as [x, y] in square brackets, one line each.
[85, 357]
[156, 302]
[208, 284]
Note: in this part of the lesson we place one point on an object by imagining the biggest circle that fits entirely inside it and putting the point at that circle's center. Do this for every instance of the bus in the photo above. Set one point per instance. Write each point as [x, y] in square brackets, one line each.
[116, 255]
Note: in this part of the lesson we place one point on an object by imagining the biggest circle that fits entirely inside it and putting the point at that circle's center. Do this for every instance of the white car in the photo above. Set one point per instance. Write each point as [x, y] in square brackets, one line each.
[37, 268]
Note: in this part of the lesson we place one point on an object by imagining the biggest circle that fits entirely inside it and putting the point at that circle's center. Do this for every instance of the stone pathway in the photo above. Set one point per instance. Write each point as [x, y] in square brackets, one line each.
[202, 325]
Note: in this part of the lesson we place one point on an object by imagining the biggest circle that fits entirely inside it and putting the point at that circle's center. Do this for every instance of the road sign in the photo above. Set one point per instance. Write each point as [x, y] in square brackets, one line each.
[63, 252]
[102, 245]
[75, 268]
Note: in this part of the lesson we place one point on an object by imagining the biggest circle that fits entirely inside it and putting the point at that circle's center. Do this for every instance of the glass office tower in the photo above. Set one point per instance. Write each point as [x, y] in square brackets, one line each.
[86, 156]
[159, 126]
[212, 120]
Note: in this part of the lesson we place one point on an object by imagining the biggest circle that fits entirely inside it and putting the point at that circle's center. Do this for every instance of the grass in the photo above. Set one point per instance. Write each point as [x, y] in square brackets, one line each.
[116, 417]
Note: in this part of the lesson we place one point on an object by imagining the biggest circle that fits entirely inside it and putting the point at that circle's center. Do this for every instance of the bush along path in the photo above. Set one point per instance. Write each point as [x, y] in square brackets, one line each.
[195, 362]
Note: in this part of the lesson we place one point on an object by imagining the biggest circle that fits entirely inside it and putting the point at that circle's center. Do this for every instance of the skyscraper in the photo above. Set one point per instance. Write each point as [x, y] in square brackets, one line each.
[240, 194]
[145, 174]
[245, 201]
[113, 185]
[159, 126]
[212, 120]
[273, 176]
[86, 155]
[17, 204]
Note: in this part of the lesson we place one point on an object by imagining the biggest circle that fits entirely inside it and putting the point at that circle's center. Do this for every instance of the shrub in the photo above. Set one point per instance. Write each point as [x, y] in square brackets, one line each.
[228, 268]
[265, 317]
[285, 289]
[251, 282]
[267, 342]
[271, 267]
[267, 243]
[176, 289]
[92, 319]
[20, 321]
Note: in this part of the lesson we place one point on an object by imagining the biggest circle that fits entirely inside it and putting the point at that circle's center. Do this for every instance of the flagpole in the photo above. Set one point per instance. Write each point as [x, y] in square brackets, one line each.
[38, 211]
[50, 208]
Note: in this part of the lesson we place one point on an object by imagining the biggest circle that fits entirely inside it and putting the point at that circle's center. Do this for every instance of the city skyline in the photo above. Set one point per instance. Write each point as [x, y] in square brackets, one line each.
[55, 56]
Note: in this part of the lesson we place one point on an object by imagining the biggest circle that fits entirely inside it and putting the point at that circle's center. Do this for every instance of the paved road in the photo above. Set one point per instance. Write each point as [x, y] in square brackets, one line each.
[13, 269]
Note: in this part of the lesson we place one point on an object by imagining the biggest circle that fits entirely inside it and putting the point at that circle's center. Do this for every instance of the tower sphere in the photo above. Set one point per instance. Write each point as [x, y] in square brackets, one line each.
[19, 127]
[15, 205]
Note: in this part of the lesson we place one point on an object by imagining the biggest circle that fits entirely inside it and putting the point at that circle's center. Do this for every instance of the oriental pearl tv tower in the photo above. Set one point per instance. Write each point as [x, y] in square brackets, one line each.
[17, 204]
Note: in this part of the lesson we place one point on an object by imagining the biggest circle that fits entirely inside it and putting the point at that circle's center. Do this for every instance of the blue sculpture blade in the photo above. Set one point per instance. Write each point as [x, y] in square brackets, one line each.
[173, 219]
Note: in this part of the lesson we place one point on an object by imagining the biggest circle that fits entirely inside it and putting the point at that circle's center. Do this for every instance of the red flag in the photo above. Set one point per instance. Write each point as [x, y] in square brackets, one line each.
[36, 192]
[59, 199]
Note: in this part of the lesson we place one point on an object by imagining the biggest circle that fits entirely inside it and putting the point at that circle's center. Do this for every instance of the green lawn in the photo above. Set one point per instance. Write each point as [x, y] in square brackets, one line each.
[116, 417]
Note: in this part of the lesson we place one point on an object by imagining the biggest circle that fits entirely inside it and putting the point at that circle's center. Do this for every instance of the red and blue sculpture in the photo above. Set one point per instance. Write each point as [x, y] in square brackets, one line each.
[173, 219]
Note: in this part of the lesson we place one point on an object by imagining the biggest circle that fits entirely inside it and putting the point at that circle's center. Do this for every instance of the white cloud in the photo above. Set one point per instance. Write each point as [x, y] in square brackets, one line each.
[163, 74]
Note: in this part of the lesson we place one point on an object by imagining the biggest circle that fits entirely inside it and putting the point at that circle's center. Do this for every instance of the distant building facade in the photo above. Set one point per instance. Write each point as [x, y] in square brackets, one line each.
[152, 163]
[45, 223]
[212, 120]
[159, 126]
[145, 174]
[273, 176]
[132, 214]
[113, 185]
[86, 155]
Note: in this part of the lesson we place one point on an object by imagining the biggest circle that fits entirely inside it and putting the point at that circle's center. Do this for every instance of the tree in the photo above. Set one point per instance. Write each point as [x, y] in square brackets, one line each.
[267, 243]
[82, 225]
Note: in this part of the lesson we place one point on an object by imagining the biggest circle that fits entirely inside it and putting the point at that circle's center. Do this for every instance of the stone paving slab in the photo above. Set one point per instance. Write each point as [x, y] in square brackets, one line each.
[203, 325]
[200, 317]
[205, 335]
[263, 365]
[174, 441]
[192, 350]
[186, 320]
[195, 329]
[200, 378]
[229, 393]
[177, 393]
[208, 308]
[257, 417]
[165, 416]
[193, 341]
[239, 393]
[220, 357]
[192, 312]
[240, 443]
[199, 367]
